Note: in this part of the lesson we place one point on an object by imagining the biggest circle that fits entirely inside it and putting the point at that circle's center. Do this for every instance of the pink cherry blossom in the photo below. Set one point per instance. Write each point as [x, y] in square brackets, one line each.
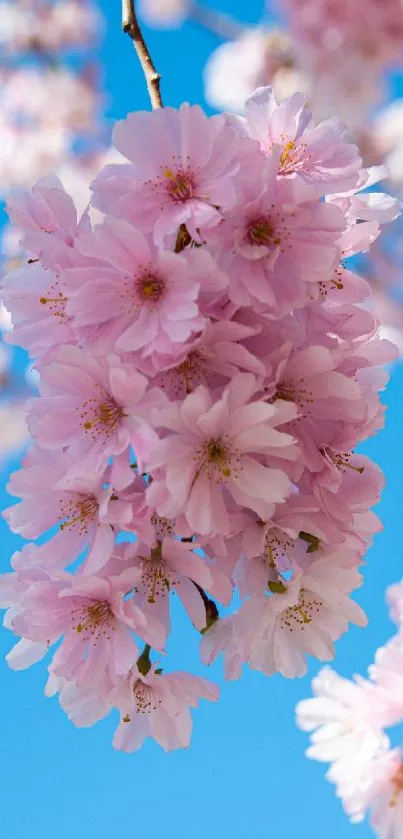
[211, 359]
[37, 297]
[146, 299]
[265, 241]
[207, 366]
[218, 447]
[303, 616]
[157, 705]
[84, 704]
[80, 505]
[95, 413]
[182, 169]
[171, 565]
[319, 155]
[94, 618]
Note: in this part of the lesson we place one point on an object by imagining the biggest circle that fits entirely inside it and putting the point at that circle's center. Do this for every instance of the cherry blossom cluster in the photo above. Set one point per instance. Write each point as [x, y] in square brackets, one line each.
[348, 720]
[207, 366]
[47, 105]
[31, 25]
[331, 29]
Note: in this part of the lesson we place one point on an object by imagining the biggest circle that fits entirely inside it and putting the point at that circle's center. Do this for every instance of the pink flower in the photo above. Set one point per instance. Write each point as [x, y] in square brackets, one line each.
[95, 619]
[182, 170]
[48, 217]
[222, 637]
[302, 617]
[276, 547]
[136, 297]
[81, 506]
[372, 208]
[157, 705]
[310, 378]
[217, 448]
[84, 704]
[211, 359]
[340, 487]
[170, 565]
[46, 208]
[93, 408]
[319, 155]
[274, 247]
[37, 298]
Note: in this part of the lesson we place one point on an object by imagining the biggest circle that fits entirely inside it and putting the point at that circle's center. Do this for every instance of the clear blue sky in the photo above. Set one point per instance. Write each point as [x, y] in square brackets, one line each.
[245, 773]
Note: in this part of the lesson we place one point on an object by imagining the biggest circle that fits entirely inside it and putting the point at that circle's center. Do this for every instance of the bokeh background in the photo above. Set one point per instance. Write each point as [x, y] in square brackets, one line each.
[245, 773]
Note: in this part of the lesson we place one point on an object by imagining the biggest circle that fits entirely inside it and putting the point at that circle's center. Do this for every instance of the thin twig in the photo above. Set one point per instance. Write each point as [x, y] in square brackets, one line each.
[130, 25]
[217, 22]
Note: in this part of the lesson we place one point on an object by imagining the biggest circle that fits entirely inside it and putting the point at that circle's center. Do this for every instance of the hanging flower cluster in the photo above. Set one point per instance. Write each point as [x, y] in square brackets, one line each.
[348, 719]
[206, 370]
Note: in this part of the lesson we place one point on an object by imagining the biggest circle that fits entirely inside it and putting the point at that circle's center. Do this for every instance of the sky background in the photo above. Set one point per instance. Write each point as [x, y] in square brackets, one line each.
[245, 773]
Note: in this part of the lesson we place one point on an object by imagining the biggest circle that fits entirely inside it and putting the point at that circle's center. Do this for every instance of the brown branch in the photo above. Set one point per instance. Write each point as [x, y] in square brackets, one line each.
[130, 25]
[217, 22]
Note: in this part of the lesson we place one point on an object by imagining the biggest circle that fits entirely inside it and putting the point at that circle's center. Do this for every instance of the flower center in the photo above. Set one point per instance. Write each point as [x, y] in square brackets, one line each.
[277, 543]
[95, 619]
[155, 579]
[101, 418]
[298, 617]
[110, 414]
[150, 288]
[81, 511]
[190, 369]
[262, 231]
[180, 185]
[216, 459]
[294, 392]
[146, 699]
[216, 452]
[185, 376]
[341, 460]
[292, 157]
[55, 301]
